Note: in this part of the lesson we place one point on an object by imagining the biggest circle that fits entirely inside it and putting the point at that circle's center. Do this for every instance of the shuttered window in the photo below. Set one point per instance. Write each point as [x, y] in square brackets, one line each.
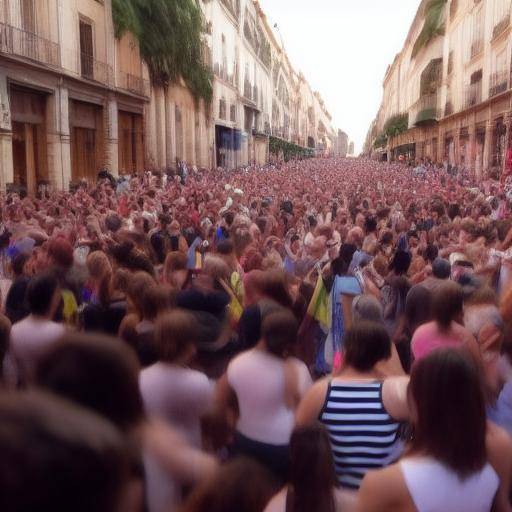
[86, 50]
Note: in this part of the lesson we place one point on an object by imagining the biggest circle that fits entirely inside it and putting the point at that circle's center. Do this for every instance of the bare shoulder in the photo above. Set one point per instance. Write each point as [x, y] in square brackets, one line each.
[394, 397]
[312, 403]
[383, 490]
[499, 446]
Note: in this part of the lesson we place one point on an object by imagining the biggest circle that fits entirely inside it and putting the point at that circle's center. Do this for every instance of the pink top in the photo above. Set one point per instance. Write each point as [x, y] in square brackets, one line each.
[428, 337]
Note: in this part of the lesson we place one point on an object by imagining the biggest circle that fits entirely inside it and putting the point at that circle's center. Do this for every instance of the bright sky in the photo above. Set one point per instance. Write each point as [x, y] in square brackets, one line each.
[344, 47]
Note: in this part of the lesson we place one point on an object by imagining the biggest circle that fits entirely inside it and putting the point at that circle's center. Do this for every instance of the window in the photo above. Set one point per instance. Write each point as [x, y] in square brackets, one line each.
[232, 113]
[28, 15]
[86, 50]
[501, 16]
[477, 33]
[222, 109]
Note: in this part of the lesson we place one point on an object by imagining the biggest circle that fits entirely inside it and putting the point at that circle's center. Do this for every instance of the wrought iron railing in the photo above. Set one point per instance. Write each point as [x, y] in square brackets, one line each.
[425, 109]
[96, 70]
[16, 41]
[476, 47]
[501, 26]
[134, 84]
[498, 83]
[473, 95]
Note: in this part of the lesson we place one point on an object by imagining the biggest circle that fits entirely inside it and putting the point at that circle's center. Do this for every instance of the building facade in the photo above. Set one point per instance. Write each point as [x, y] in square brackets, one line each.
[75, 100]
[448, 97]
[72, 97]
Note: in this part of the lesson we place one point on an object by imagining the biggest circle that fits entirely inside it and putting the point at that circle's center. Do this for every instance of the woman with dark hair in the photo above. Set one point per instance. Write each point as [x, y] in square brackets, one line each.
[446, 330]
[266, 383]
[312, 484]
[360, 408]
[456, 460]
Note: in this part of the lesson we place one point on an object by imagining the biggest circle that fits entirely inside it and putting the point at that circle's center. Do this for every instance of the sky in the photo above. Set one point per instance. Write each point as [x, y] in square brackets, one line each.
[344, 47]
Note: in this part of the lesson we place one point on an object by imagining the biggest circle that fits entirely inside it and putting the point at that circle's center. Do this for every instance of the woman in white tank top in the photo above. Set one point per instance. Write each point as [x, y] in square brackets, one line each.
[457, 462]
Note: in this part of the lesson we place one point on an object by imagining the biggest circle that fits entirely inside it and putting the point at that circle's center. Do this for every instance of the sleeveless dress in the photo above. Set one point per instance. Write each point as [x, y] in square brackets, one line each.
[363, 435]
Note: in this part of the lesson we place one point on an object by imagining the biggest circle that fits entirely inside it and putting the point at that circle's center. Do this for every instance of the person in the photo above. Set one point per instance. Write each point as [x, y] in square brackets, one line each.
[267, 383]
[312, 484]
[170, 389]
[32, 335]
[239, 485]
[43, 437]
[468, 471]
[446, 330]
[360, 409]
[16, 308]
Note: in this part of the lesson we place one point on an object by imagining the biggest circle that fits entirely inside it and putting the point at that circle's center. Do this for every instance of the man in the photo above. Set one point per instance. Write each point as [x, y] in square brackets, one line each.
[32, 335]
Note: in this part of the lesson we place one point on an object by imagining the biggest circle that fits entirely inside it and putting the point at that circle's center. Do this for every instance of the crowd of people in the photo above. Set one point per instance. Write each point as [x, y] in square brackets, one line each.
[320, 335]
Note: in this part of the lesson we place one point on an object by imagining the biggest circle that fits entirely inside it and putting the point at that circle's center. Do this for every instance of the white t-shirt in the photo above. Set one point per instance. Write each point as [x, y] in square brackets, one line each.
[258, 379]
[29, 339]
[177, 395]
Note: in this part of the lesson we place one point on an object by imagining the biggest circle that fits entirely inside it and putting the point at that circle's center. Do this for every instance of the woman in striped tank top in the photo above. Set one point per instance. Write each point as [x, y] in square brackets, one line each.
[360, 407]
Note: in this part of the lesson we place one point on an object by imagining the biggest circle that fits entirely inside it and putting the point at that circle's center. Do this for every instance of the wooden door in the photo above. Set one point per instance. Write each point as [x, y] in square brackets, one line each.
[25, 149]
[84, 154]
[19, 153]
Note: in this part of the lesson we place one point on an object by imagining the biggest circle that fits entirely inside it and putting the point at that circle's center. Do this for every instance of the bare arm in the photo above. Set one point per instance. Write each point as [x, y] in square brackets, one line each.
[311, 405]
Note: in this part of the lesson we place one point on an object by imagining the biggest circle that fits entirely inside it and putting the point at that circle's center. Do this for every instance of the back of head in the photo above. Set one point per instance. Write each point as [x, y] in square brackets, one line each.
[273, 286]
[366, 344]
[448, 398]
[137, 286]
[279, 332]
[156, 300]
[441, 268]
[97, 372]
[61, 252]
[41, 293]
[366, 307]
[176, 333]
[57, 456]
[239, 485]
[418, 307]
[312, 472]
[448, 304]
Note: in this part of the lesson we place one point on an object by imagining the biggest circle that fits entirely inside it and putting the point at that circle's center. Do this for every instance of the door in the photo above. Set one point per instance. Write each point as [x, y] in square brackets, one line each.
[84, 154]
[25, 156]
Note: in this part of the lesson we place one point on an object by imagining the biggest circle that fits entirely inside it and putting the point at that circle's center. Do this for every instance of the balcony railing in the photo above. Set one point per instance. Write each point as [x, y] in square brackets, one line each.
[426, 109]
[134, 84]
[498, 83]
[221, 72]
[477, 47]
[501, 26]
[473, 95]
[96, 70]
[19, 42]
[448, 108]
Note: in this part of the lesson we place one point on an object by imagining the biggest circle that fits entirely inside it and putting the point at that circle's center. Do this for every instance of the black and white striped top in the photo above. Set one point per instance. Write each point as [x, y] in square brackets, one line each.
[363, 435]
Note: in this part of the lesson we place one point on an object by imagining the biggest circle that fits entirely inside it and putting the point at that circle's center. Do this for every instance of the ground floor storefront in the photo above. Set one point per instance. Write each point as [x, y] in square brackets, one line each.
[477, 139]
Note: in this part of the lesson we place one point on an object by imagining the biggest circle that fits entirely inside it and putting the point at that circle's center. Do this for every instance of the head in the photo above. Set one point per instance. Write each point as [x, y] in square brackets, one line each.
[445, 395]
[418, 307]
[97, 372]
[43, 295]
[441, 268]
[448, 304]
[366, 345]
[156, 300]
[366, 308]
[239, 485]
[175, 338]
[312, 473]
[58, 456]
[60, 253]
[137, 286]
[401, 262]
[18, 264]
[279, 332]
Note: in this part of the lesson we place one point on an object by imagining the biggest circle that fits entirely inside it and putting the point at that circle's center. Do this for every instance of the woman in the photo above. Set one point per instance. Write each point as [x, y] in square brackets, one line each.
[175, 272]
[360, 409]
[171, 390]
[267, 384]
[456, 461]
[446, 330]
[312, 484]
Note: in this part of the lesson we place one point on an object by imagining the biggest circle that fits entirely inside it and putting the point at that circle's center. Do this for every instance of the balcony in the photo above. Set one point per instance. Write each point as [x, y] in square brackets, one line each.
[134, 84]
[448, 108]
[221, 72]
[501, 26]
[498, 83]
[477, 47]
[473, 95]
[425, 110]
[15, 41]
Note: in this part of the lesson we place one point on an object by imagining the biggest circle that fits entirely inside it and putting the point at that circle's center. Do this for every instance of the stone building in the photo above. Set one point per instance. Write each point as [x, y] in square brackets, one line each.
[72, 97]
[448, 97]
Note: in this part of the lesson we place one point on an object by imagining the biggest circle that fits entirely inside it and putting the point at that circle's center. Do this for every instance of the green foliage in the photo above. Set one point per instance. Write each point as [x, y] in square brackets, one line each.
[289, 150]
[396, 125]
[170, 39]
[433, 25]
[380, 141]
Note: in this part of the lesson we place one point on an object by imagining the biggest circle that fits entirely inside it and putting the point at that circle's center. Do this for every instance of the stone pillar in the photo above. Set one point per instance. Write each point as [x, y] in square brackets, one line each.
[160, 128]
[112, 136]
[508, 124]
[456, 142]
[471, 154]
[193, 158]
[170, 129]
[6, 163]
[58, 139]
[150, 132]
[487, 148]
[440, 147]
